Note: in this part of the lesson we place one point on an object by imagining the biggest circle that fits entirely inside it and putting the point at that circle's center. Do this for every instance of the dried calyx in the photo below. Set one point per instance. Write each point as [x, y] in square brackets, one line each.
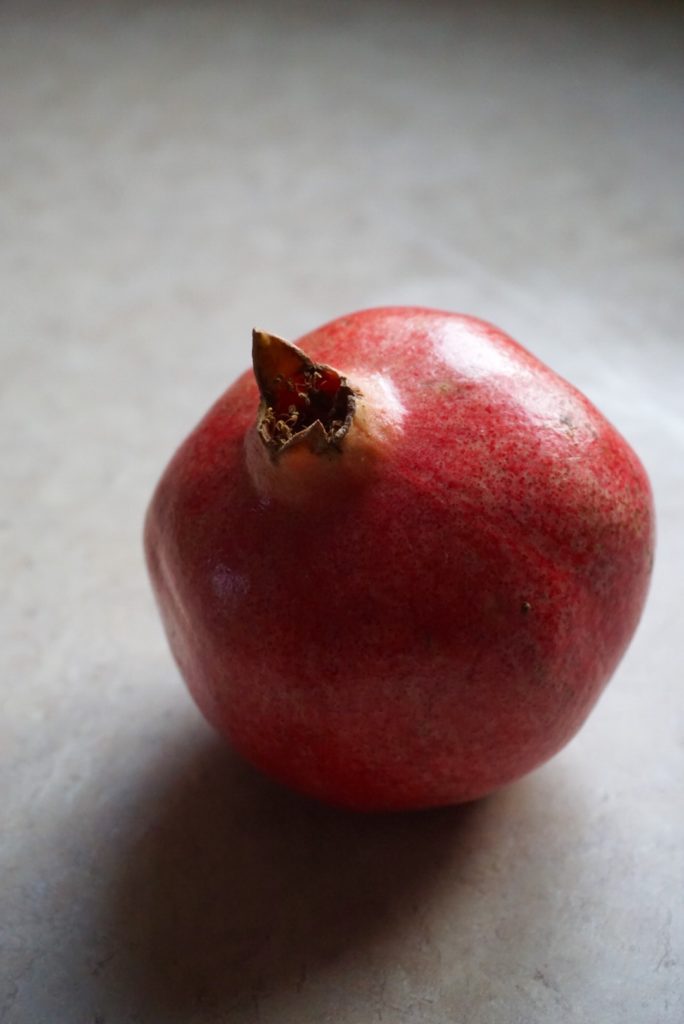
[302, 402]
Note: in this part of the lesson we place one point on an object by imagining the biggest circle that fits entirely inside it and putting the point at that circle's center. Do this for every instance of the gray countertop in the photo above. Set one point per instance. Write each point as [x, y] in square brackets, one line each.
[171, 176]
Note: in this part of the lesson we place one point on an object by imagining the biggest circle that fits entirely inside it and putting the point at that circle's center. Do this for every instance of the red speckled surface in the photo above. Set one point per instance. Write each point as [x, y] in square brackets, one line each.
[438, 632]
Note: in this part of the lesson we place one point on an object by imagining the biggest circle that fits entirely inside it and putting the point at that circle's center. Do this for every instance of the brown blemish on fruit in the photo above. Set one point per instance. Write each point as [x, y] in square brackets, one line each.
[444, 387]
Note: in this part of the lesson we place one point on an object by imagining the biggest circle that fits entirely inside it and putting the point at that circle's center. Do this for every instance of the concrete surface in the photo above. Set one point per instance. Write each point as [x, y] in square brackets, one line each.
[171, 175]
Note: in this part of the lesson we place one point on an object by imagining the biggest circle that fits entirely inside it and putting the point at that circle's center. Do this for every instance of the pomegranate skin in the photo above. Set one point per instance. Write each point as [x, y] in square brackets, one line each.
[432, 623]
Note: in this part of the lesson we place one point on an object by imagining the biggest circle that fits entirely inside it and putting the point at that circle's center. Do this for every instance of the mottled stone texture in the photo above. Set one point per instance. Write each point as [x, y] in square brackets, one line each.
[173, 175]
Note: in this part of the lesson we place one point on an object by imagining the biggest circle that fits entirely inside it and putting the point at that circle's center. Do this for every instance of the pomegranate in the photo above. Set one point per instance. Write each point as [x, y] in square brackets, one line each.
[397, 568]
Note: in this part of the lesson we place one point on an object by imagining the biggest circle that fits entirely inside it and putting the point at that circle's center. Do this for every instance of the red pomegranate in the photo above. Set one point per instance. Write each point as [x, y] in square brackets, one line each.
[400, 572]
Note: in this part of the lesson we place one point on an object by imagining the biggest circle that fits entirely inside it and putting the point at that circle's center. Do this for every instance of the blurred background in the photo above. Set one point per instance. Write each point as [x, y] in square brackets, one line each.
[173, 175]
